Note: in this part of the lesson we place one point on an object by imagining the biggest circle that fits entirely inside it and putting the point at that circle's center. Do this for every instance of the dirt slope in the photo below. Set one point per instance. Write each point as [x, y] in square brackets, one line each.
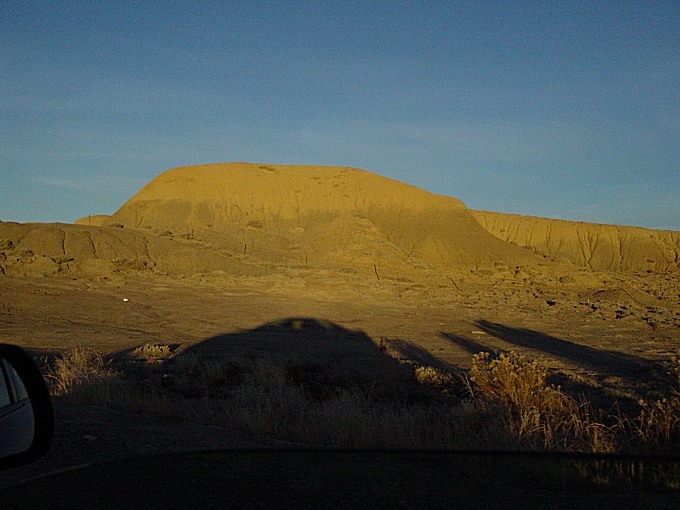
[602, 247]
[323, 216]
[50, 248]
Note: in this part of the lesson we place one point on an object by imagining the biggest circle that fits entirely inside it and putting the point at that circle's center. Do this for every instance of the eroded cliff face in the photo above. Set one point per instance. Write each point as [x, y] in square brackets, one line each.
[600, 247]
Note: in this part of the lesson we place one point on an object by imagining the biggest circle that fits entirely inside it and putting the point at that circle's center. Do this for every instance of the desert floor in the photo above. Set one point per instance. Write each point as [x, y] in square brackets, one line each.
[606, 329]
[602, 332]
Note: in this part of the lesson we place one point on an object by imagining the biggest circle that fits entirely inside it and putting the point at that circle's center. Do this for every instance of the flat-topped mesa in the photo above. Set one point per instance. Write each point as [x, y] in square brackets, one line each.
[599, 247]
[336, 212]
[229, 194]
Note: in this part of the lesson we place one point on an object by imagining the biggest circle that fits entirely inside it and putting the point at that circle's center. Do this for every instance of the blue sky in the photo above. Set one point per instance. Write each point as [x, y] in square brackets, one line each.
[557, 109]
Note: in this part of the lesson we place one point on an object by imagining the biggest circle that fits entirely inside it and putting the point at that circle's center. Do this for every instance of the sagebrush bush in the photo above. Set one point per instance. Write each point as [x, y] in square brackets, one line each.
[541, 415]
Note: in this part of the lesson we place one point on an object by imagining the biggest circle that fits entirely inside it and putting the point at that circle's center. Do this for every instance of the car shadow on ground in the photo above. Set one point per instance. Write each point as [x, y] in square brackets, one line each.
[608, 363]
[410, 352]
[604, 365]
[304, 341]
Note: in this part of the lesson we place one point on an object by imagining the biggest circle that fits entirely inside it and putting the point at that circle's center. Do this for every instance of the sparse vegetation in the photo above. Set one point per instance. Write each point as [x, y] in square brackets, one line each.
[433, 376]
[83, 376]
[675, 373]
[540, 415]
[509, 405]
[153, 353]
[659, 421]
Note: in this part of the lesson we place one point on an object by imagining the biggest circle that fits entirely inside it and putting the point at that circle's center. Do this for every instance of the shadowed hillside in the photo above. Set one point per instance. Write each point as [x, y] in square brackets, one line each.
[602, 247]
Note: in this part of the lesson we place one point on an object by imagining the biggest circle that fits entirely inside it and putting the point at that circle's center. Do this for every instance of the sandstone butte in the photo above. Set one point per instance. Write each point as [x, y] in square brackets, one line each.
[249, 219]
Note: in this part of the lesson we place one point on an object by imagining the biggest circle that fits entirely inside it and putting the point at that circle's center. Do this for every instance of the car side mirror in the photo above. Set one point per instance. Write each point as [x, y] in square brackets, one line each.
[26, 415]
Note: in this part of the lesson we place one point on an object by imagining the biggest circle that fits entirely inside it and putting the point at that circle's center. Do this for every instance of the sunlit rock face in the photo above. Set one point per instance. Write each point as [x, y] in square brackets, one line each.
[601, 247]
[324, 214]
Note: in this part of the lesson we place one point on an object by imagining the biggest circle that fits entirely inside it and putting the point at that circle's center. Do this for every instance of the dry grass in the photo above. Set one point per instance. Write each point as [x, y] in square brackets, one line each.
[675, 371]
[153, 353]
[509, 405]
[269, 404]
[77, 368]
[541, 416]
[659, 421]
[434, 377]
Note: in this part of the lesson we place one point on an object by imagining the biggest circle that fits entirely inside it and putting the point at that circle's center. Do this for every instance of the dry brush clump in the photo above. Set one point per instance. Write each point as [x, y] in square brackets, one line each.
[540, 416]
[82, 375]
[434, 377]
[153, 353]
[543, 416]
[658, 422]
[76, 368]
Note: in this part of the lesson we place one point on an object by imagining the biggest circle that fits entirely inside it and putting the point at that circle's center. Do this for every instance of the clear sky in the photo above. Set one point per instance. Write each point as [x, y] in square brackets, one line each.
[557, 109]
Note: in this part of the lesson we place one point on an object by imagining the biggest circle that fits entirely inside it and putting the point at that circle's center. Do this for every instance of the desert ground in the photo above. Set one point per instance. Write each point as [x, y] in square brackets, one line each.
[233, 260]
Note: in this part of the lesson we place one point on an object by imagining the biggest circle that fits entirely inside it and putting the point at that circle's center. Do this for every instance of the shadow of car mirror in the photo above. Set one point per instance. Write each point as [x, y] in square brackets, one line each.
[26, 415]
